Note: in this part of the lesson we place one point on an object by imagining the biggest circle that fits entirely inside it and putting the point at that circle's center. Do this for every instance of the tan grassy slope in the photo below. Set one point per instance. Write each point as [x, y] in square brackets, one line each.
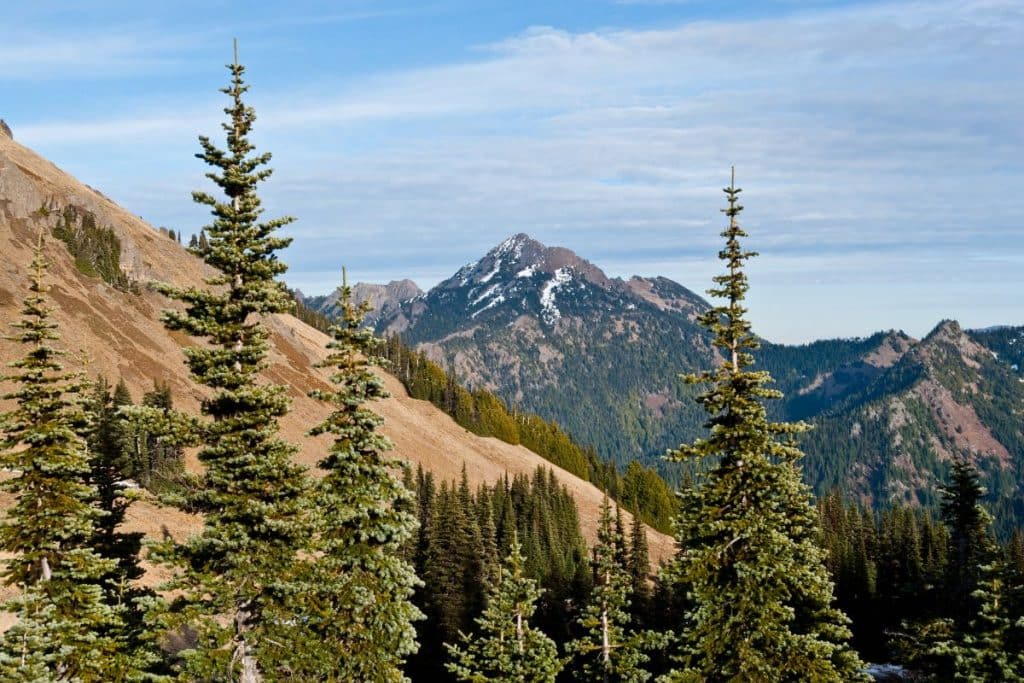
[120, 335]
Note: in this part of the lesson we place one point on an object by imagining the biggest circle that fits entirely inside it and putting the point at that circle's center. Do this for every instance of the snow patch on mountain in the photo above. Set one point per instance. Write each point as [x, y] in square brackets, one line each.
[487, 293]
[490, 304]
[547, 294]
[513, 245]
[528, 271]
[487, 278]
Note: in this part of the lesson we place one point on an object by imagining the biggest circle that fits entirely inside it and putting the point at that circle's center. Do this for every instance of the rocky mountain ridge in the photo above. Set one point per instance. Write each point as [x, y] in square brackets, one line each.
[549, 331]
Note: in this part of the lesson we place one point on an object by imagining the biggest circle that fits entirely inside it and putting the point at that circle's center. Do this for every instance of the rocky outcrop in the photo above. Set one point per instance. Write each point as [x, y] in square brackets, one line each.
[5, 130]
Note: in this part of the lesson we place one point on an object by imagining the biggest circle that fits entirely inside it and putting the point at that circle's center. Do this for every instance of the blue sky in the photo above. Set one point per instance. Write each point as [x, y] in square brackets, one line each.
[880, 144]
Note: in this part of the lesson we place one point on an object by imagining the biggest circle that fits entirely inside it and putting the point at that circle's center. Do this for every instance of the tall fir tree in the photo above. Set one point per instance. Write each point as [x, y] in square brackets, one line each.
[237, 579]
[609, 651]
[507, 648]
[985, 653]
[66, 629]
[974, 640]
[970, 544]
[107, 475]
[121, 587]
[361, 587]
[639, 569]
[748, 530]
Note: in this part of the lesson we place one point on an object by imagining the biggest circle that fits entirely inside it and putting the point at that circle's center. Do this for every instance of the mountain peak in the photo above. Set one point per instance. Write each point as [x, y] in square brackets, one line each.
[516, 244]
[946, 329]
[524, 256]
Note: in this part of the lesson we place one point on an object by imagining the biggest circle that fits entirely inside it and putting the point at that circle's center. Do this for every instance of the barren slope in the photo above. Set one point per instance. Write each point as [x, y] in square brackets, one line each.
[119, 335]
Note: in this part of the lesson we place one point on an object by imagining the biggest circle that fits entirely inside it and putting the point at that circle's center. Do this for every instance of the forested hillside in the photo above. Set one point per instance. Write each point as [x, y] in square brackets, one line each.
[549, 333]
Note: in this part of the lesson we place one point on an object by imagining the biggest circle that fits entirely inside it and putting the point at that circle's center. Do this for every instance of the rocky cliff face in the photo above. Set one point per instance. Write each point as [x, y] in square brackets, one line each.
[386, 300]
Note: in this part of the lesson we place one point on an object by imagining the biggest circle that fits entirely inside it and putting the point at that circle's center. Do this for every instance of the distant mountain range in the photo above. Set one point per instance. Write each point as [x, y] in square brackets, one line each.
[552, 333]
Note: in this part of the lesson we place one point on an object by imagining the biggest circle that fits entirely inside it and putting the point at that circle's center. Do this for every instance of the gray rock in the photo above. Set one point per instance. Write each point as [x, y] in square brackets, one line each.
[5, 129]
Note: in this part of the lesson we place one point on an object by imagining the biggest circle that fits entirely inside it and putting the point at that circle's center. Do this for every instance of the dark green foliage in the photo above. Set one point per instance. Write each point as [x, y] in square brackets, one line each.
[970, 546]
[941, 599]
[457, 557]
[985, 653]
[153, 437]
[645, 492]
[748, 532]
[1007, 342]
[794, 368]
[888, 568]
[67, 628]
[483, 413]
[110, 541]
[237, 579]
[638, 568]
[507, 647]
[973, 637]
[609, 650]
[96, 250]
[1014, 561]
[361, 587]
[315, 319]
[892, 437]
[452, 564]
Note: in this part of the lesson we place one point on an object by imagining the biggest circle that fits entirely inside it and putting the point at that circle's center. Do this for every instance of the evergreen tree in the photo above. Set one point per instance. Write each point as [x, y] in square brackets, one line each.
[447, 565]
[236, 579]
[970, 545]
[110, 541]
[748, 532]
[362, 587]
[65, 628]
[639, 569]
[608, 650]
[153, 440]
[507, 648]
[490, 561]
[1015, 591]
[985, 655]
[113, 497]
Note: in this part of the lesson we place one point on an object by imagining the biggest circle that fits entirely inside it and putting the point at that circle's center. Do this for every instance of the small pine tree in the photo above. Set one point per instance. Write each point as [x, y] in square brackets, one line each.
[65, 628]
[609, 651]
[507, 648]
[236, 579]
[362, 587]
[748, 532]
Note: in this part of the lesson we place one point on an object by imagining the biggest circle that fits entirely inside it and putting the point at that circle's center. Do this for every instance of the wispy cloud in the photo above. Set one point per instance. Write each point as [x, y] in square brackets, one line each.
[865, 134]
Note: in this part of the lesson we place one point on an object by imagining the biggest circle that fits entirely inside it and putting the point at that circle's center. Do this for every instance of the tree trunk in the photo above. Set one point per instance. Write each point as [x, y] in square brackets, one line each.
[243, 650]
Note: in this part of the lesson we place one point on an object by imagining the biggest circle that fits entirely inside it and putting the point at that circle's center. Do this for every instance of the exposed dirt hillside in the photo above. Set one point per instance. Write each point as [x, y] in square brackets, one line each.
[118, 334]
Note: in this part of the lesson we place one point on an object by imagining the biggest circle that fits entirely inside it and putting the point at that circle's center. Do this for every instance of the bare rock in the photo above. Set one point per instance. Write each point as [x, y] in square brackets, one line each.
[5, 129]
